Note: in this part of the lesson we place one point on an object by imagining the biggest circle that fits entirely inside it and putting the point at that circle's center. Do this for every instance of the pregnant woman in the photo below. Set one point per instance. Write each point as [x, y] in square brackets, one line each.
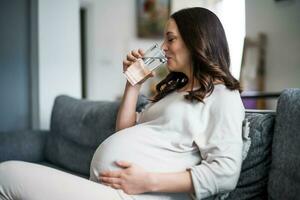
[186, 144]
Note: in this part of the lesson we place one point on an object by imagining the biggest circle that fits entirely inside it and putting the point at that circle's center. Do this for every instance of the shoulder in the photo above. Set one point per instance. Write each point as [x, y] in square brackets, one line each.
[221, 90]
[223, 96]
[225, 101]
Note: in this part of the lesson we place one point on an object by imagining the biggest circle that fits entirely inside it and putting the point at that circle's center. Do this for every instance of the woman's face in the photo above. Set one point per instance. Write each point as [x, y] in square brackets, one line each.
[179, 59]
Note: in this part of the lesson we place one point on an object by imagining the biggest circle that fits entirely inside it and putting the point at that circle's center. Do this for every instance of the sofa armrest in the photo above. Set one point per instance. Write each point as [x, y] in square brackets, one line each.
[284, 173]
[22, 145]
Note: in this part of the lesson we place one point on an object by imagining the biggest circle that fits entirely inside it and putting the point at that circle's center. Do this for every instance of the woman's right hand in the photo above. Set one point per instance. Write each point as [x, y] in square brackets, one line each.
[131, 57]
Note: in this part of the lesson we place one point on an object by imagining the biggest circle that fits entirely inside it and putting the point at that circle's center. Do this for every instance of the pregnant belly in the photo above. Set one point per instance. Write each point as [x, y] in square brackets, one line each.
[143, 146]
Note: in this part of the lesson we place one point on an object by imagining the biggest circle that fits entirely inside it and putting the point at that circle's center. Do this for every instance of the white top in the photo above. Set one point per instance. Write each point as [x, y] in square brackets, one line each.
[174, 135]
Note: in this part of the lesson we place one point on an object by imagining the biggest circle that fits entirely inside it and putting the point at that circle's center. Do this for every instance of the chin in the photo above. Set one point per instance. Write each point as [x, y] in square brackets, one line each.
[171, 67]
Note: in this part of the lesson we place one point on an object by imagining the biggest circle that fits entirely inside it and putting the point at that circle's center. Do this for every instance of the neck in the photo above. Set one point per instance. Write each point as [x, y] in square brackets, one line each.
[193, 82]
[190, 86]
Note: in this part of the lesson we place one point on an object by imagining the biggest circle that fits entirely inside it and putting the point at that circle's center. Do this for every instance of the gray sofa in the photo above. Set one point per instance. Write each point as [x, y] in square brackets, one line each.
[270, 170]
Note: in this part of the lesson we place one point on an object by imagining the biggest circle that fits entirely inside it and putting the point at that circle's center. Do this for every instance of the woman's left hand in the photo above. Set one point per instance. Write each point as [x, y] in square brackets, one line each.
[132, 179]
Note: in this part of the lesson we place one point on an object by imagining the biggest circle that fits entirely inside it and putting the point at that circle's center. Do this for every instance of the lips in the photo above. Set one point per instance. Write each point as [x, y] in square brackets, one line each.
[169, 60]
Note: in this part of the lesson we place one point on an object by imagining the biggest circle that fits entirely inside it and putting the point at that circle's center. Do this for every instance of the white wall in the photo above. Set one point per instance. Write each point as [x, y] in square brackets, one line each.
[280, 22]
[59, 53]
[111, 34]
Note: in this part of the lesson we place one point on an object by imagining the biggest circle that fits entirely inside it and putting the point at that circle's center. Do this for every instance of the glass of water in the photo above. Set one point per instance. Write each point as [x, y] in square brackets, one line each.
[142, 67]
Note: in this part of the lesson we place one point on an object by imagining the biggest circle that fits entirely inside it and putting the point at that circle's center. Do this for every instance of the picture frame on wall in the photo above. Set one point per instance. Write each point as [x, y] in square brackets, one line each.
[152, 16]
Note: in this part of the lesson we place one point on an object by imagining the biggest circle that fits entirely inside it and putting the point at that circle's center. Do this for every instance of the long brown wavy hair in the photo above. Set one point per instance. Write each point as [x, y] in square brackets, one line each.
[204, 36]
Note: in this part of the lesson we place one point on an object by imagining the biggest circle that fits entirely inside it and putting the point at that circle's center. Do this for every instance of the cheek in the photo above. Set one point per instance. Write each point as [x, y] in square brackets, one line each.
[183, 58]
[180, 58]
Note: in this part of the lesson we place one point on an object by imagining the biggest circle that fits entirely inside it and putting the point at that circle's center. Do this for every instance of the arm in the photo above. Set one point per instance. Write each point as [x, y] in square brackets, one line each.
[126, 115]
[133, 179]
[181, 182]
[220, 146]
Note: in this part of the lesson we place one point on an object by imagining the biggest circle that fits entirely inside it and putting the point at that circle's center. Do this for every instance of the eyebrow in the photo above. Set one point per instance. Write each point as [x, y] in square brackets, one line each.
[170, 33]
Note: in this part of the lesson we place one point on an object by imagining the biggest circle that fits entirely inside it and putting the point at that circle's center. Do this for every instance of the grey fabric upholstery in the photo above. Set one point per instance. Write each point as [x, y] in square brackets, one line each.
[77, 128]
[284, 181]
[22, 145]
[255, 168]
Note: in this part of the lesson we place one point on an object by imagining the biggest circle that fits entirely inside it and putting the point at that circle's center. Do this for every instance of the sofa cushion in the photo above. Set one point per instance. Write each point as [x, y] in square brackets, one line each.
[77, 128]
[284, 181]
[255, 168]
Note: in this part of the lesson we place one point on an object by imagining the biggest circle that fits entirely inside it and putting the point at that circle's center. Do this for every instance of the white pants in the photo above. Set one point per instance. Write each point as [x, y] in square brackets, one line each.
[28, 181]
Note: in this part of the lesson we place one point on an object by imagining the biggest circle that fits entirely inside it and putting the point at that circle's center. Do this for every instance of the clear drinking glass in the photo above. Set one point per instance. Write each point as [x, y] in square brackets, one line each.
[140, 69]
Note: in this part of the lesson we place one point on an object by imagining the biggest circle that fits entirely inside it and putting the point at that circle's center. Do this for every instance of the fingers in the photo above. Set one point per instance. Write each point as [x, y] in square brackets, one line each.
[126, 64]
[123, 164]
[138, 53]
[131, 57]
[115, 174]
[115, 186]
[141, 52]
[108, 180]
[134, 55]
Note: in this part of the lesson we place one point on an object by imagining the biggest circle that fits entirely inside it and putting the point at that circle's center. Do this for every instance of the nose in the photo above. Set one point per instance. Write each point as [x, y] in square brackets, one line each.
[164, 46]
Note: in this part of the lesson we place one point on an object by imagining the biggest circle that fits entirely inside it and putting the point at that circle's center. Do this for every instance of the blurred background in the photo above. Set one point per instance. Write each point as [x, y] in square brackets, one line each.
[76, 47]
